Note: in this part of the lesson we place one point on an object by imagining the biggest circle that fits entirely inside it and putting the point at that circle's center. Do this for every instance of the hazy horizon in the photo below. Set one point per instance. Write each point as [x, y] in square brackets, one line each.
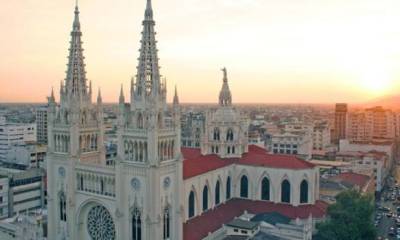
[276, 52]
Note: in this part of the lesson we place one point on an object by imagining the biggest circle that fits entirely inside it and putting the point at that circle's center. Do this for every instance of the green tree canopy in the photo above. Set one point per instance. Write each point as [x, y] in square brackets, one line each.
[350, 218]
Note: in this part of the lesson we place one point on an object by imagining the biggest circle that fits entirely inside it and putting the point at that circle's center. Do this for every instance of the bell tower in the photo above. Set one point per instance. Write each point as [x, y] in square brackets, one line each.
[149, 158]
[75, 135]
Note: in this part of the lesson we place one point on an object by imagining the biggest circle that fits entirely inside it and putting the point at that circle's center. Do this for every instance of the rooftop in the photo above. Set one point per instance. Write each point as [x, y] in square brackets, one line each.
[195, 163]
[198, 227]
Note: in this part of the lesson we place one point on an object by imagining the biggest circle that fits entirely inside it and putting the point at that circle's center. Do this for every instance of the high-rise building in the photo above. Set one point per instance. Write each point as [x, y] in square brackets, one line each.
[372, 123]
[41, 125]
[340, 128]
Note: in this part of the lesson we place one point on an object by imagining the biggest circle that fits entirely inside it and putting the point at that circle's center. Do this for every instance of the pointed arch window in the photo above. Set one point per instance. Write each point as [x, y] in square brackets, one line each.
[228, 188]
[265, 189]
[167, 223]
[136, 225]
[229, 135]
[217, 193]
[244, 187]
[205, 198]
[304, 191]
[191, 204]
[285, 191]
[216, 134]
[140, 121]
[63, 207]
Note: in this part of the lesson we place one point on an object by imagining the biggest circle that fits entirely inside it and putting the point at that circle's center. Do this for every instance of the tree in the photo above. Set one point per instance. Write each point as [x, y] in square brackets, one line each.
[350, 218]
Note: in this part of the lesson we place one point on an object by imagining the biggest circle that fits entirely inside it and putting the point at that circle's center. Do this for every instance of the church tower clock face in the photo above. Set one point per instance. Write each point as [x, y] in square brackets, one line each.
[100, 225]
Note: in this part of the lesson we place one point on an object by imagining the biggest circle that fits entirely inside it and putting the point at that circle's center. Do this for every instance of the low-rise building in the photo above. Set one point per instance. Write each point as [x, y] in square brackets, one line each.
[26, 189]
[294, 144]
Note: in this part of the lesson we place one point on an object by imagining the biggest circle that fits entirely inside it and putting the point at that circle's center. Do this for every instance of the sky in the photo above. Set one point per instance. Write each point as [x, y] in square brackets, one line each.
[275, 51]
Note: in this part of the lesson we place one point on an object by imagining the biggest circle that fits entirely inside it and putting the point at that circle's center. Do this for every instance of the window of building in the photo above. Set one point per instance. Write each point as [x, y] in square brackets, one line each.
[265, 189]
[285, 191]
[167, 223]
[228, 188]
[217, 193]
[191, 204]
[205, 198]
[304, 192]
[136, 225]
[244, 187]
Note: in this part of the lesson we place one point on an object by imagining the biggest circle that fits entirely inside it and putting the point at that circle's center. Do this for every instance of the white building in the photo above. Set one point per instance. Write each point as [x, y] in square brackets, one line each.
[41, 125]
[155, 189]
[22, 227]
[290, 143]
[321, 136]
[3, 196]
[26, 155]
[375, 164]
[376, 145]
[14, 134]
[25, 190]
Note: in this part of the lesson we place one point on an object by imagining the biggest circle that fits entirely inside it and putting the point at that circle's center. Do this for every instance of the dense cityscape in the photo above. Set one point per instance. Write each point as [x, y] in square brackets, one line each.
[152, 168]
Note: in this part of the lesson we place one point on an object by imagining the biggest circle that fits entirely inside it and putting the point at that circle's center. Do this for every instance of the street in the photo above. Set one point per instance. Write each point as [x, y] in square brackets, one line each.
[386, 214]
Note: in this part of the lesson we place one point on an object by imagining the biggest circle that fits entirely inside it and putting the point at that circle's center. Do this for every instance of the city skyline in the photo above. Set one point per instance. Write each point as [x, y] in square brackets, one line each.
[296, 48]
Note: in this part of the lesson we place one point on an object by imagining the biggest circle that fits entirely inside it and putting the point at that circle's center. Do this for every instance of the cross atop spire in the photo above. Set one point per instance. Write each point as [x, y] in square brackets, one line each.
[225, 96]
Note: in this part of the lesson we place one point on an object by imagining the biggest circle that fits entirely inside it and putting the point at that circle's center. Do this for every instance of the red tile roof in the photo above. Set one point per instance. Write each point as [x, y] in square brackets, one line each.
[195, 163]
[210, 221]
[353, 178]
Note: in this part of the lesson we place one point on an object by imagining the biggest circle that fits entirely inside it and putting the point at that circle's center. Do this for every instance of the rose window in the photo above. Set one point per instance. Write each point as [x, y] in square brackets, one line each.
[100, 224]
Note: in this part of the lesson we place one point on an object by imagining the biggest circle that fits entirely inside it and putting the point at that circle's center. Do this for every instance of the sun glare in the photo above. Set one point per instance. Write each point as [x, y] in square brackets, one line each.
[376, 81]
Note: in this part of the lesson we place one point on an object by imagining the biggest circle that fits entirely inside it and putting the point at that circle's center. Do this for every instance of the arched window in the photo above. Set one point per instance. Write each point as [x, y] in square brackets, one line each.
[136, 225]
[229, 135]
[285, 191]
[229, 150]
[217, 193]
[244, 187]
[167, 220]
[216, 134]
[81, 183]
[265, 189]
[63, 207]
[140, 121]
[205, 198]
[233, 149]
[228, 188]
[101, 186]
[191, 204]
[304, 192]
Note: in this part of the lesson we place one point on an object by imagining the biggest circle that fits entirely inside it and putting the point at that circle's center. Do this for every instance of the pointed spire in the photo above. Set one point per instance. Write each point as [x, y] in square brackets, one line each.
[121, 95]
[76, 25]
[225, 96]
[148, 84]
[52, 93]
[99, 98]
[176, 98]
[148, 14]
[75, 81]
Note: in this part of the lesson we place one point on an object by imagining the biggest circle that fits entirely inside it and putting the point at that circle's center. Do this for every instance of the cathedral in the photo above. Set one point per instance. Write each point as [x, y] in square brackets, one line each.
[155, 189]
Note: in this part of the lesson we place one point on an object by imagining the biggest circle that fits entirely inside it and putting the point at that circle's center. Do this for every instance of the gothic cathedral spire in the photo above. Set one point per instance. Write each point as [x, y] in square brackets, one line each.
[148, 87]
[76, 88]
